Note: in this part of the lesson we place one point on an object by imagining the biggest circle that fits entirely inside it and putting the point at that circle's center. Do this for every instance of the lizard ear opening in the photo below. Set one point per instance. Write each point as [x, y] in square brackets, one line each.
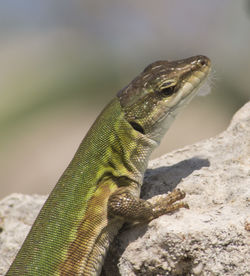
[137, 127]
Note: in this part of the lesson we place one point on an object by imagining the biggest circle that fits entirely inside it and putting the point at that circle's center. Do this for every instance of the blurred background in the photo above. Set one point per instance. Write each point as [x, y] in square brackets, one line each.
[62, 61]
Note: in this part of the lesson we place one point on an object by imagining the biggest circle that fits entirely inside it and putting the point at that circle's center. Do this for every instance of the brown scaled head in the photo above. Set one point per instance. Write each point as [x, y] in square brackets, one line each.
[156, 95]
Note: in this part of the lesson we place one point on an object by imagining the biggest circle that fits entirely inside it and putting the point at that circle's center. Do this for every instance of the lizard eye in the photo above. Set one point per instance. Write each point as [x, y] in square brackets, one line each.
[168, 91]
[137, 127]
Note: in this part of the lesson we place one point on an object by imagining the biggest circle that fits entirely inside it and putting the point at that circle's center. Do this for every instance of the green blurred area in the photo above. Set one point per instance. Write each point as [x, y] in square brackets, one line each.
[61, 62]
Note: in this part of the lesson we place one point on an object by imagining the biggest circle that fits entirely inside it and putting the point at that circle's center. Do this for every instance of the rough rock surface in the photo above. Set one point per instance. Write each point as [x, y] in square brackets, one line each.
[211, 238]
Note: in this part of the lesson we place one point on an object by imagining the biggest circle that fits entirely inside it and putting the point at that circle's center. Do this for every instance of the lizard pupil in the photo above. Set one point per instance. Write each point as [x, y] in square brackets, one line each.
[137, 127]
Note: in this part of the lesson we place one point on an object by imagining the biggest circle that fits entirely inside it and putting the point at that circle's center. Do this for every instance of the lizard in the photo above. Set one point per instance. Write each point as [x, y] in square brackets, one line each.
[100, 189]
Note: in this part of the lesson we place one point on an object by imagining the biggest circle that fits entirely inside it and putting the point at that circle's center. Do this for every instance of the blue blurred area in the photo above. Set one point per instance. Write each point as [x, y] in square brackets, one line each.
[100, 20]
[61, 61]
[22, 16]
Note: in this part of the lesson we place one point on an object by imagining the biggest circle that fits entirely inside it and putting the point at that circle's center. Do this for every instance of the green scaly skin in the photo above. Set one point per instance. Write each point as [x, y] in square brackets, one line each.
[100, 188]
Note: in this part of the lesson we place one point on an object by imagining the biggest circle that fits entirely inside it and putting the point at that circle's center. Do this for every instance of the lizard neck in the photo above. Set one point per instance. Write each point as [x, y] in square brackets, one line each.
[127, 151]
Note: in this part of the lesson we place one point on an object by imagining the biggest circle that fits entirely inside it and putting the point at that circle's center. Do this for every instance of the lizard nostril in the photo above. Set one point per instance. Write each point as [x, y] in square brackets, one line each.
[203, 61]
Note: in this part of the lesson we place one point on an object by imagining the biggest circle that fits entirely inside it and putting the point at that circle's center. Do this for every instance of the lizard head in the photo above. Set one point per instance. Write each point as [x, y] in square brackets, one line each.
[153, 99]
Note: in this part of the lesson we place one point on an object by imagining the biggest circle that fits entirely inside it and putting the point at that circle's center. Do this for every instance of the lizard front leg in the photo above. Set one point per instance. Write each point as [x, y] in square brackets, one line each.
[124, 203]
